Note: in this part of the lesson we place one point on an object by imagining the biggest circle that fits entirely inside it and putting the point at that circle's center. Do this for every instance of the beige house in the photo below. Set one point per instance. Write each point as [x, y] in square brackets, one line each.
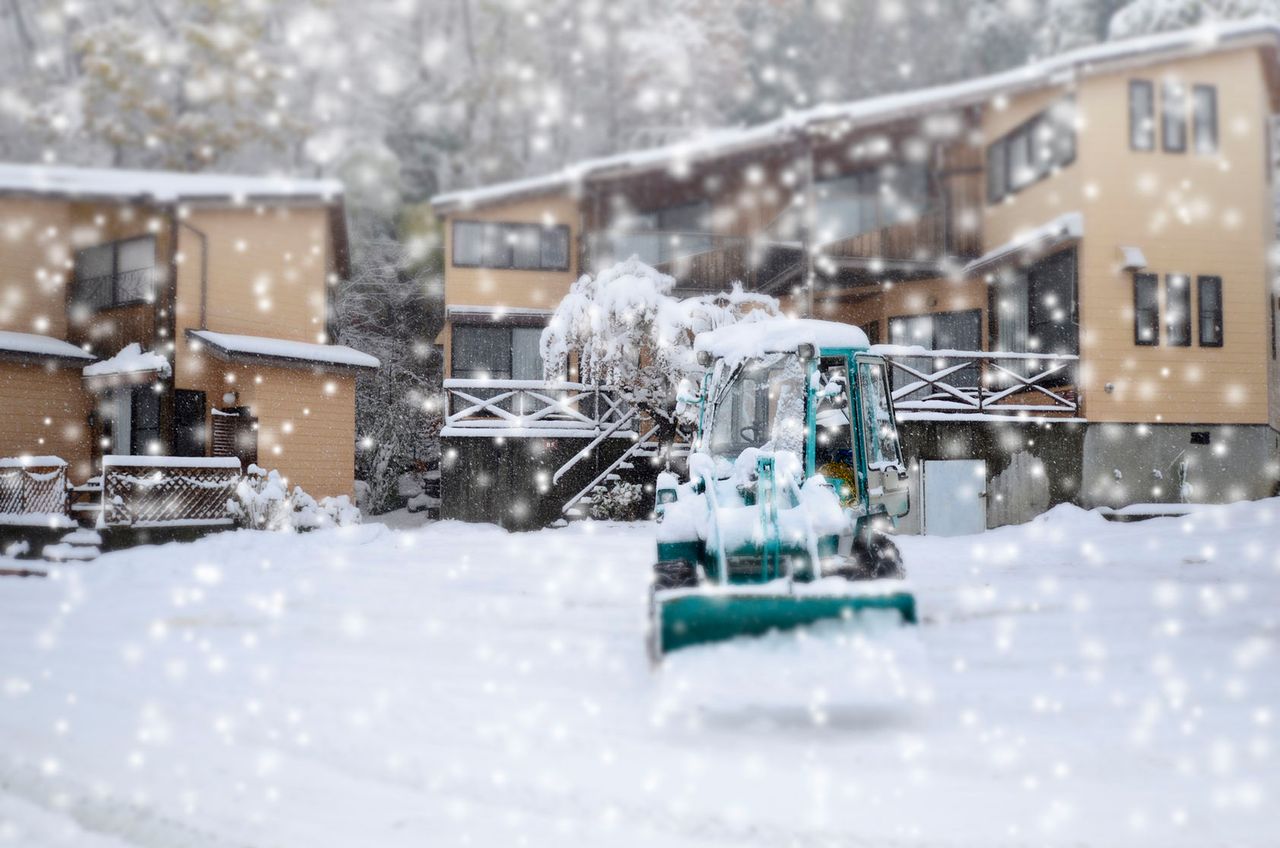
[170, 314]
[1097, 227]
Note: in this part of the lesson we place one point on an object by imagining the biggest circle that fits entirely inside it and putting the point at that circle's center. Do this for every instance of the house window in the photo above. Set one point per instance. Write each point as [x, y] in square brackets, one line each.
[115, 274]
[662, 235]
[1173, 117]
[869, 200]
[1209, 297]
[519, 247]
[872, 329]
[1204, 100]
[496, 352]
[1146, 309]
[937, 331]
[1032, 151]
[1052, 323]
[997, 168]
[1142, 134]
[1177, 298]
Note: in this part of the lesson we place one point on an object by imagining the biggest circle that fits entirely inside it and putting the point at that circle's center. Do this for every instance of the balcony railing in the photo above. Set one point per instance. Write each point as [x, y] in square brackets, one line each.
[535, 409]
[954, 383]
[119, 289]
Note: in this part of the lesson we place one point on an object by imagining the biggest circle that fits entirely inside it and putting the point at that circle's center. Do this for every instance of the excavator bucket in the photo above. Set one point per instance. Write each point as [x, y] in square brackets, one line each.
[687, 617]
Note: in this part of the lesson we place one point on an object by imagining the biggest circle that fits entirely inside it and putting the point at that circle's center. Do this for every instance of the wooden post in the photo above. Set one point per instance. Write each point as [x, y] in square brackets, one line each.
[806, 241]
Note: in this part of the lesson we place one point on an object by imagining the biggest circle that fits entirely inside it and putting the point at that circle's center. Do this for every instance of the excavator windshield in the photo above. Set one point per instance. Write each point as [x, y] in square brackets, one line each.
[758, 404]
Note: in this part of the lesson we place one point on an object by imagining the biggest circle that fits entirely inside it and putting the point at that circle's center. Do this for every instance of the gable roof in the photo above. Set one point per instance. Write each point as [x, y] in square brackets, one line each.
[880, 110]
[159, 186]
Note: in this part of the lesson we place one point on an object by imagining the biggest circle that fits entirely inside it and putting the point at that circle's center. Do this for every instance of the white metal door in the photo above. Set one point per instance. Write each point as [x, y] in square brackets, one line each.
[955, 497]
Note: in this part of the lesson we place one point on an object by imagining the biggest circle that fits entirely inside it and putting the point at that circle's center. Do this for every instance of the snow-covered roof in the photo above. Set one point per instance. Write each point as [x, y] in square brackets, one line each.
[1068, 226]
[874, 111]
[261, 347]
[131, 359]
[162, 186]
[34, 344]
[736, 342]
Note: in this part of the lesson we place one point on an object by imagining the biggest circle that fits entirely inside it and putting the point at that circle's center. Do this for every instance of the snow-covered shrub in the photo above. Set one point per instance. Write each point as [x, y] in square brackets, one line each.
[618, 501]
[263, 502]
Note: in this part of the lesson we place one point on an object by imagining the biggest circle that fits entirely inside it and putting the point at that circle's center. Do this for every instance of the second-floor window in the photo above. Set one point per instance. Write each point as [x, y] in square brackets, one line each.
[1032, 150]
[1178, 105]
[115, 274]
[520, 247]
[658, 236]
[869, 200]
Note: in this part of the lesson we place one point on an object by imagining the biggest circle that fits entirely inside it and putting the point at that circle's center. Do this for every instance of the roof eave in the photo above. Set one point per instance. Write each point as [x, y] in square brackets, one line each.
[250, 358]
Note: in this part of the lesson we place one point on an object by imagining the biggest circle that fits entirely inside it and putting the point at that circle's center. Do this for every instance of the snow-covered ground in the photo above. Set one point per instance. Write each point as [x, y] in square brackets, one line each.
[1074, 682]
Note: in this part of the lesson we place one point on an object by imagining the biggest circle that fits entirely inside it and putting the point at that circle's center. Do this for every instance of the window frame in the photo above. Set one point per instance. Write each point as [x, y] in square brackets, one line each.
[1182, 336]
[1209, 128]
[1148, 137]
[1139, 279]
[507, 327]
[1000, 182]
[115, 301]
[1170, 119]
[504, 231]
[1203, 281]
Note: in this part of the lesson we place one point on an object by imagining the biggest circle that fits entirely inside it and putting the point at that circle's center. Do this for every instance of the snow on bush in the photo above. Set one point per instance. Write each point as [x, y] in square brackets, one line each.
[262, 501]
[618, 501]
[628, 331]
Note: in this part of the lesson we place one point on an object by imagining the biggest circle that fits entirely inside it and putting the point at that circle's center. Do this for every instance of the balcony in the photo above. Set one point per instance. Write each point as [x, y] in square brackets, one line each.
[960, 385]
[911, 247]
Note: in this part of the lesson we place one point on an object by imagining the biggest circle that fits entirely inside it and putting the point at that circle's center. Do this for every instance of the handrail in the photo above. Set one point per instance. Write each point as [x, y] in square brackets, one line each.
[488, 407]
[992, 382]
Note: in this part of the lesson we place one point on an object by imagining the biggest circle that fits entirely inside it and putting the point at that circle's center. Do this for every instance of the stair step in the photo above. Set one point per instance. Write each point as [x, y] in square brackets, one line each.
[67, 553]
[83, 536]
[86, 507]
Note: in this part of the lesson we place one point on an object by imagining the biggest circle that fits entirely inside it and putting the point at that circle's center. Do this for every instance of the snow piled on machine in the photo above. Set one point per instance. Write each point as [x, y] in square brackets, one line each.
[740, 342]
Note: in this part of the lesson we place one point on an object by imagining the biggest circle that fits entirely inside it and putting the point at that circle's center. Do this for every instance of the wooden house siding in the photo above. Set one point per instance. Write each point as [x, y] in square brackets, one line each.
[45, 412]
[1191, 214]
[35, 248]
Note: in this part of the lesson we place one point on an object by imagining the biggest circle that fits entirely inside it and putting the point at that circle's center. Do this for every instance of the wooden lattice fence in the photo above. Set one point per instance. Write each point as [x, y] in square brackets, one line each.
[33, 490]
[167, 491]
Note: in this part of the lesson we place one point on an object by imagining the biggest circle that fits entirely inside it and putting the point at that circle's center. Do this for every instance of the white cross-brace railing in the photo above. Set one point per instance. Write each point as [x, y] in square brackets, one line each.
[534, 408]
[994, 383]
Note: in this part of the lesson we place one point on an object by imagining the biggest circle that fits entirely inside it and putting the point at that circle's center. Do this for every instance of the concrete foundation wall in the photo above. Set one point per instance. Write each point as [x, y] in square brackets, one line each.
[508, 481]
[1141, 463]
[1058, 446]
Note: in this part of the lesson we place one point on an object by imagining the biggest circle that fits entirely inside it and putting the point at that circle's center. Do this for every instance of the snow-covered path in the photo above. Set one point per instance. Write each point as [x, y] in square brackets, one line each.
[1076, 683]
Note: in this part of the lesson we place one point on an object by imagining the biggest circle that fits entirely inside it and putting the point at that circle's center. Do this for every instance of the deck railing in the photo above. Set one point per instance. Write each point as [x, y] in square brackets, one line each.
[535, 408]
[33, 491]
[928, 383]
[168, 491]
